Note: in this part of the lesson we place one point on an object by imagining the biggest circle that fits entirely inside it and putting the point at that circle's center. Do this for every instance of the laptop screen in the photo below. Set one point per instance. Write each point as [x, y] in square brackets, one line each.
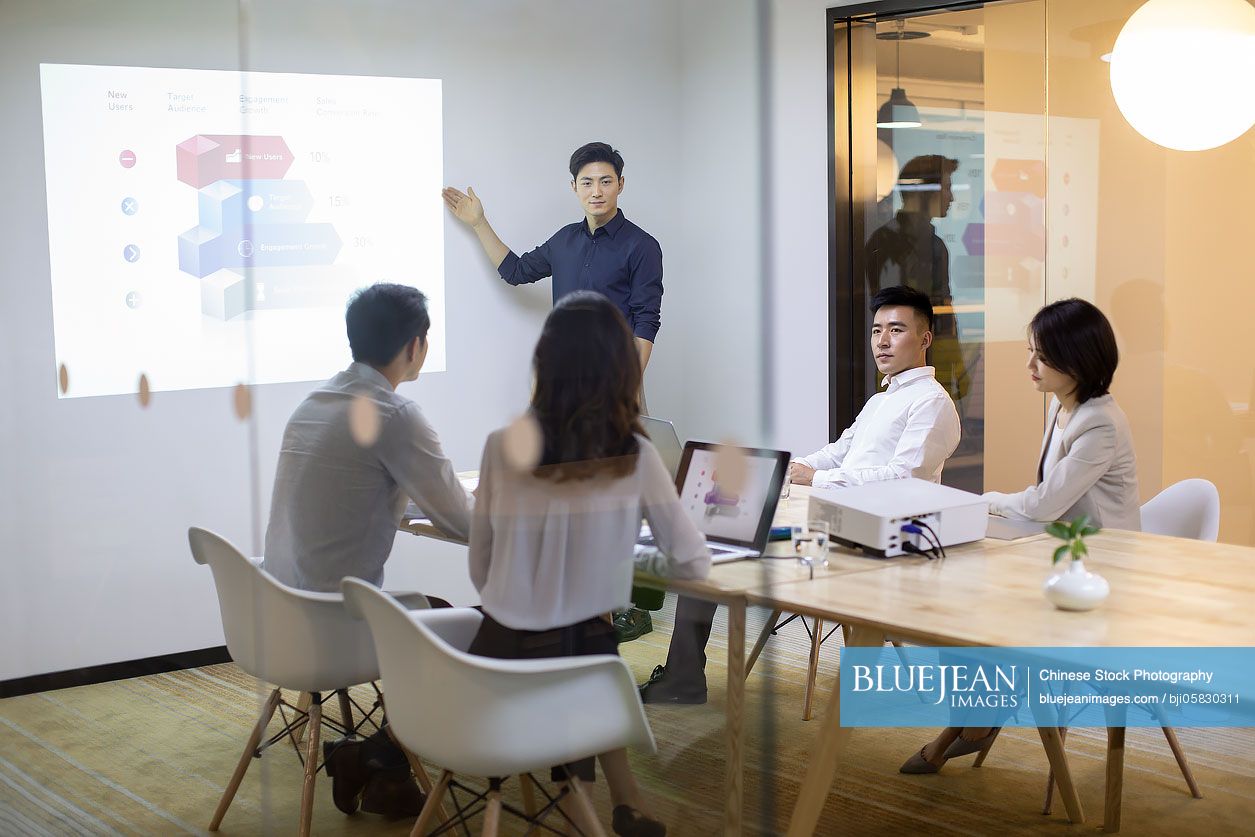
[662, 433]
[741, 516]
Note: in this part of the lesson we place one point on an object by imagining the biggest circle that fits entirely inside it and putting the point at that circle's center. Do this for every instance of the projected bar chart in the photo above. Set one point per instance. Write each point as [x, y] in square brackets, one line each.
[207, 227]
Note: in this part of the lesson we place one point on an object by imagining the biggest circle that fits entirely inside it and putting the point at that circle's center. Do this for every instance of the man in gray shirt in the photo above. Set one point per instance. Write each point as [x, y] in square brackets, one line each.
[355, 450]
[352, 453]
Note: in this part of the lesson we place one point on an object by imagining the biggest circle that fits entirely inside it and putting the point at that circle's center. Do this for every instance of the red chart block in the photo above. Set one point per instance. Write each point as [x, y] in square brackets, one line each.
[208, 158]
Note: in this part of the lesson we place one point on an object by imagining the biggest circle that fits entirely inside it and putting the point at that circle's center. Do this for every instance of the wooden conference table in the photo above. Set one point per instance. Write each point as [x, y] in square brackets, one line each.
[1164, 592]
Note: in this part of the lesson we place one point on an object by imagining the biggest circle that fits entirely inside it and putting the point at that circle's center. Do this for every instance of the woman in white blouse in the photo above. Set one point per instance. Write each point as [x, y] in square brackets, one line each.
[1086, 468]
[552, 541]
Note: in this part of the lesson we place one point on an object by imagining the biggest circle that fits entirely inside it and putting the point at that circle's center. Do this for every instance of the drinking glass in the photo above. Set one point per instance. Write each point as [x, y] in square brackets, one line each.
[819, 538]
[799, 537]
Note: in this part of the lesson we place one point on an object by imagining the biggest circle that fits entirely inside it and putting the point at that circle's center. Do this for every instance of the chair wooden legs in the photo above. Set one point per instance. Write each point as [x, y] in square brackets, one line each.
[1178, 753]
[492, 813]
[434, 801]
[980, 757]
[768, 629]
[585, 804]
[1170, 734]
[1052, 740]
[346, 710]
[1048, 802]
[254, 738]
[812, 668]
[302, 705]
[529, 795]
[1114, 780]
[311, 764]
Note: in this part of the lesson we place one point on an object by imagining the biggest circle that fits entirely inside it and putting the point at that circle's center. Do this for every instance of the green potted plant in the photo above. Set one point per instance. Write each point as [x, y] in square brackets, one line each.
[1073, 587]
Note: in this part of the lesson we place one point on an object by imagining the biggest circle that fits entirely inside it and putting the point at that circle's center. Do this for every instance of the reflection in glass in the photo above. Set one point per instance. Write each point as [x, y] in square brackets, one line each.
[907, 251]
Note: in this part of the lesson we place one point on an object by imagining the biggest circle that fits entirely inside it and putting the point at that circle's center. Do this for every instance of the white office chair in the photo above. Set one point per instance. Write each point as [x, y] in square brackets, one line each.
[293, 639]
[1185, 509]
[494, 718]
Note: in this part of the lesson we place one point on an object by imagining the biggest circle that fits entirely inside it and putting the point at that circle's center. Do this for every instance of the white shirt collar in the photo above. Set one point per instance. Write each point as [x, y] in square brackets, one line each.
[369, 373]
[905, 377]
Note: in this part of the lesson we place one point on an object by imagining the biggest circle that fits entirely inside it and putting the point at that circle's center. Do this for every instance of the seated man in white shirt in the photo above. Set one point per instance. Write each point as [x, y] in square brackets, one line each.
[352, 453]
[909, 430]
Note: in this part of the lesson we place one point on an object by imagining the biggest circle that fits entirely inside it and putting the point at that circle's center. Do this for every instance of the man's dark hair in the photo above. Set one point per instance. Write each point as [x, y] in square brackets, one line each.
[596, 152]
[1074, 337]
[927, 169]
[381, 319]
[902, 295]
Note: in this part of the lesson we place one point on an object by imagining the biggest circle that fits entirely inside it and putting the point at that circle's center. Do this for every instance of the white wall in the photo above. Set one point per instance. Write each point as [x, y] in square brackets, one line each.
[706, 373]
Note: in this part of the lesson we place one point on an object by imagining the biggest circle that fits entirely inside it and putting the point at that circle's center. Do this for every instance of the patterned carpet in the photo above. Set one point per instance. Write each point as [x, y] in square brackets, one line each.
[151, 756]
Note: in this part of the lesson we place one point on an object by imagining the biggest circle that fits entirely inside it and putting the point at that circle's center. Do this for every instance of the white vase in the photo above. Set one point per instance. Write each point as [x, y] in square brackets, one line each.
[1075, 588]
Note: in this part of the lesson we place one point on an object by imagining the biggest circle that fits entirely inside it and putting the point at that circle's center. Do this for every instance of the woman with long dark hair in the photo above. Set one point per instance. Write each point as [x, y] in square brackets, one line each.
[553, 536]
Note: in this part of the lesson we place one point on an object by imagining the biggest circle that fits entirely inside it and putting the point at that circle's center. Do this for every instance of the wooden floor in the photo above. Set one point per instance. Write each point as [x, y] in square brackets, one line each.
[151, 755]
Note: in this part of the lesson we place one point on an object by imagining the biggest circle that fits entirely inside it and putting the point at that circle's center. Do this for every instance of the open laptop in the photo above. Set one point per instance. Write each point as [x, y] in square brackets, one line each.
[736, 523]
[662, 433]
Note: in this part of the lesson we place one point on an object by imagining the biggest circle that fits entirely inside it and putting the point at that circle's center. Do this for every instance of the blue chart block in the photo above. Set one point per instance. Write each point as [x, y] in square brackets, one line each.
[198, 251]
[220, 206]
[279, 245]
[231, 204]
[255, 223]
[203, 251]
[274, 201]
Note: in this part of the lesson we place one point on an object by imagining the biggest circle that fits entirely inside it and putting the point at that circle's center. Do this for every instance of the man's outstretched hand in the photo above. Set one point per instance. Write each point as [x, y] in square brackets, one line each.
[466, 207]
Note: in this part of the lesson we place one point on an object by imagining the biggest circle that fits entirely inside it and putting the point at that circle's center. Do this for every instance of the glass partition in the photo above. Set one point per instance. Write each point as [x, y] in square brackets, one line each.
[993, 169]
[219, 178]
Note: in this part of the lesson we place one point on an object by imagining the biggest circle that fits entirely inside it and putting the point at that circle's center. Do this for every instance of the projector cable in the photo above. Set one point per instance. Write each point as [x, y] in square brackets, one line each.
[907, 546]
[932, 536]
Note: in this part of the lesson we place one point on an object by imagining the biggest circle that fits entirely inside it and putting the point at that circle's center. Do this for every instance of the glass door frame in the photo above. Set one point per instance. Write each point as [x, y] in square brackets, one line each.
[851, 71]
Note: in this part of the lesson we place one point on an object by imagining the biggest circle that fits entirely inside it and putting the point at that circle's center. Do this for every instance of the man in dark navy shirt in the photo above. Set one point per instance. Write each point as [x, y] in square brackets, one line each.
[605, 252]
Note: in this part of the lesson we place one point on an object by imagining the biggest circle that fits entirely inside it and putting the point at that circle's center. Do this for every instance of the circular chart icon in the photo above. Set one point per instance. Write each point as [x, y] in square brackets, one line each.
[245, 249]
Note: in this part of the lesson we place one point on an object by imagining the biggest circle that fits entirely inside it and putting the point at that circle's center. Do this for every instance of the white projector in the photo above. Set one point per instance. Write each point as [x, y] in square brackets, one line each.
[871, 516]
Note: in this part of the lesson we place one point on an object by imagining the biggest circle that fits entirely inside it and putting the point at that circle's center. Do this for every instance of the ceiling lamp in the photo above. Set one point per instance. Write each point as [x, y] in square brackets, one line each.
[1181, 72]
[898, 111]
